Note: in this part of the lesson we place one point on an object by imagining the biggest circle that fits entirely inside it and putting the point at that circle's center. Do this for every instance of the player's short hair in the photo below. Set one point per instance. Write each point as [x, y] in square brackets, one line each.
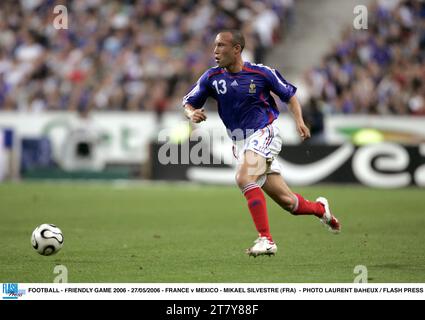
[237, 37]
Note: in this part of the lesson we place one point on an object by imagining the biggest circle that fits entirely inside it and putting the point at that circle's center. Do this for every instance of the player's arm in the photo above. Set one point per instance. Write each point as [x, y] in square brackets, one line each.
[295, 108]
[286, 93]
[195, 115]
[195, 99]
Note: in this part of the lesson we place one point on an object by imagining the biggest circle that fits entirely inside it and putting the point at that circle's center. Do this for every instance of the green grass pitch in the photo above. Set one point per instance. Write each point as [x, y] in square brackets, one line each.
[186, 233]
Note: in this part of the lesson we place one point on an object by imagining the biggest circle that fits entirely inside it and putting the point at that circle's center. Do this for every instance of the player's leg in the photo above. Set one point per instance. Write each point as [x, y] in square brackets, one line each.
[294, 203]
[252, 167]
[278, 190]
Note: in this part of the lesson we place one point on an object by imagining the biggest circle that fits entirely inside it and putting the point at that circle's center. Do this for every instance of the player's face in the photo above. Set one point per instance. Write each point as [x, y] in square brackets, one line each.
[224, 51]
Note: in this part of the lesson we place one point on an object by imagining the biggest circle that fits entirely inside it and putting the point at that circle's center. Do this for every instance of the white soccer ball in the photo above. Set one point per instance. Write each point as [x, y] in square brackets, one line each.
[47, 239]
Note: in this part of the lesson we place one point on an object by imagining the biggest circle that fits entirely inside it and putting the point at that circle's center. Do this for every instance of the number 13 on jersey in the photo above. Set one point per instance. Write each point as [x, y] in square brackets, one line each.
[220, 86]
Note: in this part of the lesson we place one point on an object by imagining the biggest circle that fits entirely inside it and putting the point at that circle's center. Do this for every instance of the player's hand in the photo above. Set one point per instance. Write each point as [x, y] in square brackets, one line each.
[198, 115]
[304, 131]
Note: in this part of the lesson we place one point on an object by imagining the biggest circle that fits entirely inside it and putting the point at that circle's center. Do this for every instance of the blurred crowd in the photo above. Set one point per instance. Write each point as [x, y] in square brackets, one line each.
[121, 54]
[380, 70]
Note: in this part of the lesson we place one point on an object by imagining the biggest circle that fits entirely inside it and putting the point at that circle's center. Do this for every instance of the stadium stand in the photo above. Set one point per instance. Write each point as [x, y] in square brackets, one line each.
[121, 55]
[380, 70]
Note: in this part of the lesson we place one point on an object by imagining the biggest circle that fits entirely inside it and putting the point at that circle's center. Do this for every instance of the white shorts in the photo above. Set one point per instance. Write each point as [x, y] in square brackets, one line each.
[266, 142]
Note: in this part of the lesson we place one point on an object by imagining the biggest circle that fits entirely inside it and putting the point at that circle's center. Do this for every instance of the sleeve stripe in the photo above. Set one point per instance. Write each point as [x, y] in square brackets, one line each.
[273, 71]
[191, 93]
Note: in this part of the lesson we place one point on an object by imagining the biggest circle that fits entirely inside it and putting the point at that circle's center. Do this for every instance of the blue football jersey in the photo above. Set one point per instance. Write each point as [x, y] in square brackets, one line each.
[244, 99]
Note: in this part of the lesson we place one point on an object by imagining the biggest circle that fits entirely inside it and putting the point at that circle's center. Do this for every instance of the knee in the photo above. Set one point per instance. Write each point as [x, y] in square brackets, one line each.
[243, 179]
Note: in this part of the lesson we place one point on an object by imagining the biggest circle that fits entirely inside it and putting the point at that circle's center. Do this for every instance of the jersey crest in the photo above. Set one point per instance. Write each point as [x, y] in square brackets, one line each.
[252, 88]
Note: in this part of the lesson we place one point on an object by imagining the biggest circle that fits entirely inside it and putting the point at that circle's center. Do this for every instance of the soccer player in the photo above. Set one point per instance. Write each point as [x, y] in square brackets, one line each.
[247, 109]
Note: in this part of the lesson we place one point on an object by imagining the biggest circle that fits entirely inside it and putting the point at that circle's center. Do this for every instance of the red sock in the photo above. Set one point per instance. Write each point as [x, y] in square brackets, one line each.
[306, 207]
[257, 206]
